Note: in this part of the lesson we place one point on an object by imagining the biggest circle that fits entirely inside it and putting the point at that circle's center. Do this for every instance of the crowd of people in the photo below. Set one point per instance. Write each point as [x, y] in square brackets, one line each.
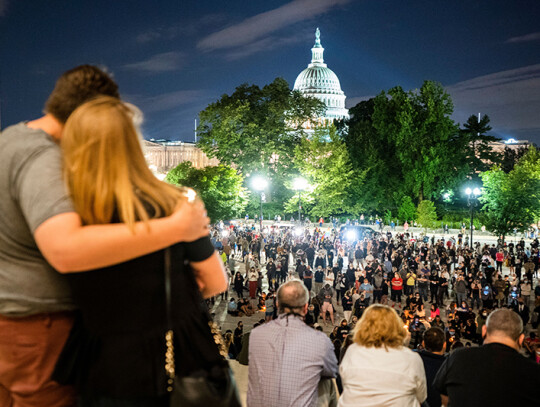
[439, 288]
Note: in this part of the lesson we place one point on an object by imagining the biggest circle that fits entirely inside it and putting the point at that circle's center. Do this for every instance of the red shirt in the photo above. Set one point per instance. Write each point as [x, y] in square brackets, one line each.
[499, 256]
[397, 283]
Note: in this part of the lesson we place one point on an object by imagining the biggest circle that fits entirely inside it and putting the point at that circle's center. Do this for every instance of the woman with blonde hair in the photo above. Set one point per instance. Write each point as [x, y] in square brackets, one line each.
[121, 340]
[378, 370]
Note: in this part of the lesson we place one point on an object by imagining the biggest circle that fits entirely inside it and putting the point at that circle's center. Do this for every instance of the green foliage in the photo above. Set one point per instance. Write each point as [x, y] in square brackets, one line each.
[407, 210]
[426, 215]
[255, 129]
[511, 157]
[219, 187]
[407, 144]
[512, 200]
[479, 155]
[324, 161]
[387, 216]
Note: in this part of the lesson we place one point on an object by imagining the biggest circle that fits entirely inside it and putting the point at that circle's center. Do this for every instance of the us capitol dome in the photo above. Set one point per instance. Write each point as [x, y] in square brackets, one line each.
[320, 82]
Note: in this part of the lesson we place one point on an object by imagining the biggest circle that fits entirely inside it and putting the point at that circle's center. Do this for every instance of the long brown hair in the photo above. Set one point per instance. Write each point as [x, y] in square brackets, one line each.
[105, 169]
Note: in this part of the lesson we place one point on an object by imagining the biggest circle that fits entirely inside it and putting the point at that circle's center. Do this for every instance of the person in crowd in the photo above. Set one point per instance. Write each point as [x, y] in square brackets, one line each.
[434, 311]
[239, 285]
[378, 369]
[40, 231]
[432, 355]
[327, 293]
[232, 308]
[253, 280]
[416, 329]
[283, 371]
[347, 305]
[237, 337]
[118, 187]
[367, 290]
[269, 305]
[472, 376]
[397, 288]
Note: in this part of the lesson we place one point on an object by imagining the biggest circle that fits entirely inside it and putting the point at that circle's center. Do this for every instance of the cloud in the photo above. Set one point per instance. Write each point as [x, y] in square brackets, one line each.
[174, 31]
[260, 25]
[524, 38]
[166, 101]
[511, 99]
[3, 7]
[265, 44]
[166, 62]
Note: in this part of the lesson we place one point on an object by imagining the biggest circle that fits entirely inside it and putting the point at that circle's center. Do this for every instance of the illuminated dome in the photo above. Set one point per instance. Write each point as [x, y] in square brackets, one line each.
[320, 82]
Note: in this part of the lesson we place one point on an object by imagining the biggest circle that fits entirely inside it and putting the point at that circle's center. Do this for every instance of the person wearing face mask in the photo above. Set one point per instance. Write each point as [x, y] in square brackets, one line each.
[526, 289]
[472, 376]
[480, 322]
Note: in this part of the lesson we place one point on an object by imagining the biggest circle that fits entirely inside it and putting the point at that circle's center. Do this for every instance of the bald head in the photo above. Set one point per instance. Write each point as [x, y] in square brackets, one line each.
[292, 296]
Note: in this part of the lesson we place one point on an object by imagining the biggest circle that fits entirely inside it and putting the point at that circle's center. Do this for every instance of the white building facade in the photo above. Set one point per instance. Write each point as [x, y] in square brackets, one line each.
[320, 82]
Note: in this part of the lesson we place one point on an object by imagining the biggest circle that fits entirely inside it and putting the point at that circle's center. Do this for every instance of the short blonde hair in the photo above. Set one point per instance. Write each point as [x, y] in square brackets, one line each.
[379, 326]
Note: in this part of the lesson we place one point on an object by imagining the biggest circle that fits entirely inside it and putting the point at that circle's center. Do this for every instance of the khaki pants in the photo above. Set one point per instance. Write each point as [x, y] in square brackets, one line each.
[29, 348]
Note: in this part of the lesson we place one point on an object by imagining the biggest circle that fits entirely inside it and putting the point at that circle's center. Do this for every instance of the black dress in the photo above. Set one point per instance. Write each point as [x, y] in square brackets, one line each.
[119, 339]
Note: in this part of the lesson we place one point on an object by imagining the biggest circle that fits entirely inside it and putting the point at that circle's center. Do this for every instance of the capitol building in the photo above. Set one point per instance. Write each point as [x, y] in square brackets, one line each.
[320, 82]
[317, 81]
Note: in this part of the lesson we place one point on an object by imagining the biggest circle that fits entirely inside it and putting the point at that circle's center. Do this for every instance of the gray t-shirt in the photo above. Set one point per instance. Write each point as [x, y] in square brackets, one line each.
[31, 191]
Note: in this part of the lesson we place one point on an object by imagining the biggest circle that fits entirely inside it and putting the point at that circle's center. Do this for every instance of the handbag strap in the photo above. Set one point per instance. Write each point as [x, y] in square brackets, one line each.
[169, 336]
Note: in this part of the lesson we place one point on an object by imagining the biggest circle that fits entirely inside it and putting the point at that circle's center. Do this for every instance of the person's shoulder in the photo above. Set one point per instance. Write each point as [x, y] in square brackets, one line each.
[23, 135]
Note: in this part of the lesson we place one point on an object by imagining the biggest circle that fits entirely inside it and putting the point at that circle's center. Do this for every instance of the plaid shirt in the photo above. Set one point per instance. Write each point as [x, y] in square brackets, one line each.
[287, 359]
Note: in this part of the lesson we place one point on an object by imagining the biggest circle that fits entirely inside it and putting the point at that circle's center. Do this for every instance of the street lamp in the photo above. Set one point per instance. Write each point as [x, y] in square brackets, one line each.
[300, 184]
[260, 184]
[472, 202]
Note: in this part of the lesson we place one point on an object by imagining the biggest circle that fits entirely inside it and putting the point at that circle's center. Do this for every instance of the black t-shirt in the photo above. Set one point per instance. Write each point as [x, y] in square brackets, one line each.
[124, 320]
[491, 375]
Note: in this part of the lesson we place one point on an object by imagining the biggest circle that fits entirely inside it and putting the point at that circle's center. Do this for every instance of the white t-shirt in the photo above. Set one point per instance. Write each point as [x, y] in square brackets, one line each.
[376, 377]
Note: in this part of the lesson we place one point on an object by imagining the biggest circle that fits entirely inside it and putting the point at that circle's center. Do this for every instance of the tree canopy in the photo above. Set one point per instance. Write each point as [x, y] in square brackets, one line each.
[335, 185]
[219, 187]
[255, 129]
[512, 200]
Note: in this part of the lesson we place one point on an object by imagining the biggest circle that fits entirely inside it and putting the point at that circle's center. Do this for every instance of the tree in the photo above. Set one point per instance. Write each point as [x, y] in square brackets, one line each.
[255, 129]
[324, 161]
[219, 187]
[426, 141]
[511, 157]
[373, 154]
[407, 144]
[426, 215]
[407, 210]
[480, 154]
[512, 200]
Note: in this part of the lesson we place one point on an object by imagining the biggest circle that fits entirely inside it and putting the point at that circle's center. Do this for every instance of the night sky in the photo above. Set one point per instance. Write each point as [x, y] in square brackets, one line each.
[173, 58]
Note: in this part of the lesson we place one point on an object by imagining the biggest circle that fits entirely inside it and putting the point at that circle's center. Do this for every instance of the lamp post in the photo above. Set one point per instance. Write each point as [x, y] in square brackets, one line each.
[472, 202]
[260, 184]
[300, 184]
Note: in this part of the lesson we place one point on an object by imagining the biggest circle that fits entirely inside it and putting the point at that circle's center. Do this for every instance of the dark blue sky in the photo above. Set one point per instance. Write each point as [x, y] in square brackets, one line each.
[172, 58]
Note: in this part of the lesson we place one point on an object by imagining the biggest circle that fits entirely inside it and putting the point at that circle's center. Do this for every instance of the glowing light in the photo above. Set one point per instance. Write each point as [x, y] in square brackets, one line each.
[352, 235]
[477, 191]
[300, 184]
[190, 194]
[468, 191]
[259, 183]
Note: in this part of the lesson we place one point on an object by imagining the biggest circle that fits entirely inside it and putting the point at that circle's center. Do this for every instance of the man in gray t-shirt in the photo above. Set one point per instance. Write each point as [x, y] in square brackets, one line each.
[39, 230]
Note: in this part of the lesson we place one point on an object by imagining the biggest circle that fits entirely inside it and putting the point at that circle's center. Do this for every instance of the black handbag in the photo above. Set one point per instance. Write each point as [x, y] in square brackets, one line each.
[214, 387]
